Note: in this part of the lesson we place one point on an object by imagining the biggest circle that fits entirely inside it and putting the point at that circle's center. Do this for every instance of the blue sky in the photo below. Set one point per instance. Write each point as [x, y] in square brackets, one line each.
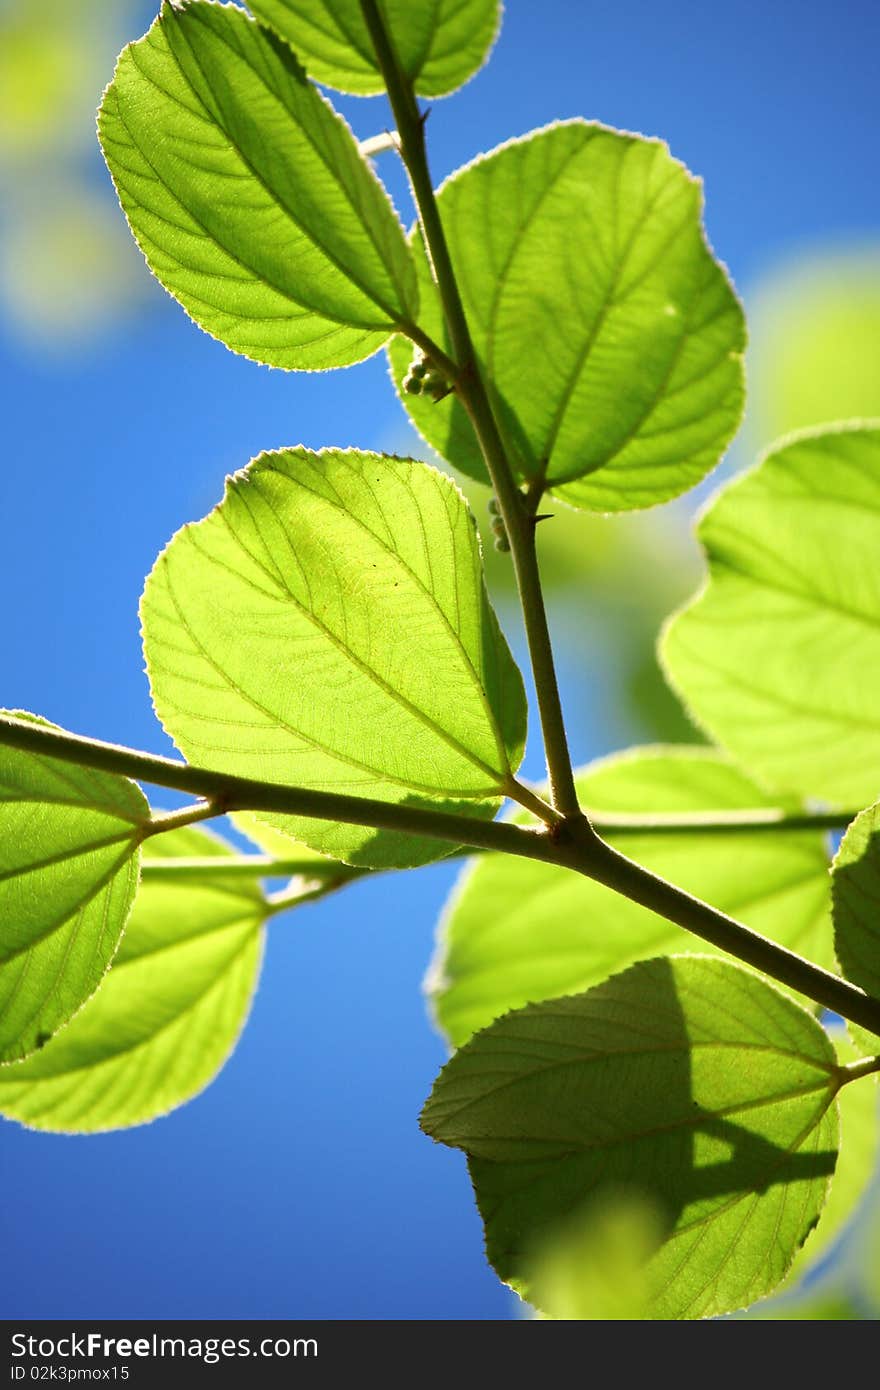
[298, 1184]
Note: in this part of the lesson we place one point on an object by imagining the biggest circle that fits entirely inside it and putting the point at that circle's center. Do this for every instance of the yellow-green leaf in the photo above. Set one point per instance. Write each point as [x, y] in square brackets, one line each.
[687, 1082]
[327, 626]
[168, 1013]
[778, 655]
[610, 336]
[69, 845]
[248, 195]
[440, 44]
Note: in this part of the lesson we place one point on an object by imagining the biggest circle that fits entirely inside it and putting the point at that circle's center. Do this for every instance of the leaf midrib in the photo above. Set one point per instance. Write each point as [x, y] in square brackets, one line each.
[659, 397]
[50, 799]
[610, 301]
[243, 921]
[252, 276]
[809, 598]
[60, 856]
[106, 890]
[825, 715]
[736, 1198]
[130, 814]
[496, 775]
[78, 906]
[683, 1048]
[467, 660]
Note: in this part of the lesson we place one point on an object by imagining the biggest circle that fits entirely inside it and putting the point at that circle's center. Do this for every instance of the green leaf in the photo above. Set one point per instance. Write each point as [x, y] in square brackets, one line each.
[778, 655]
[587, 245]
[856, 1163]
[69, 841]
[168, 1013]
[273, 841]
[688, 1082]
[327, 626]
[248, 196]
[310, 872]
[855, 889]
[440, 45]
[517, 931]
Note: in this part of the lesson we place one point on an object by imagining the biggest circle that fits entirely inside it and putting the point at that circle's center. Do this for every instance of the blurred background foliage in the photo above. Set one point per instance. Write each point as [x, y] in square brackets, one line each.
[69, 272]
[67, 264]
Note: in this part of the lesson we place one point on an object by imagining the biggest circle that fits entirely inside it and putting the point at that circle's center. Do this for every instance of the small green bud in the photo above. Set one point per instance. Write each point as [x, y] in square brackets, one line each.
[436, 384]
[423, 378]
[499, 531]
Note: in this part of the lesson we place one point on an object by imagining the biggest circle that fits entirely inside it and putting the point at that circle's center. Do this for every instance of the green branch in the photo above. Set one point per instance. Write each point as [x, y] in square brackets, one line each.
[600, 862]
[570, 845]
[854, 1071]
[257, 866]
[618, 825]
[471, 389]
[230, 793]
[578, 846]
[296, 896]
[187, 815]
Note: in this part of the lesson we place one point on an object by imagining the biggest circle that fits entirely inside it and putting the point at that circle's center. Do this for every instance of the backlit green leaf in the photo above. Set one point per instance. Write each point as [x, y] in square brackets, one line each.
[327, 626]
[609, 334]
[688, 1082]
[440, 44]
[273, 841]
[856, 1163]
[168, 1013]
[517, 931]
[856, 898]
[248, 196]
[779, 654]
[308, 869]
[69, 842]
